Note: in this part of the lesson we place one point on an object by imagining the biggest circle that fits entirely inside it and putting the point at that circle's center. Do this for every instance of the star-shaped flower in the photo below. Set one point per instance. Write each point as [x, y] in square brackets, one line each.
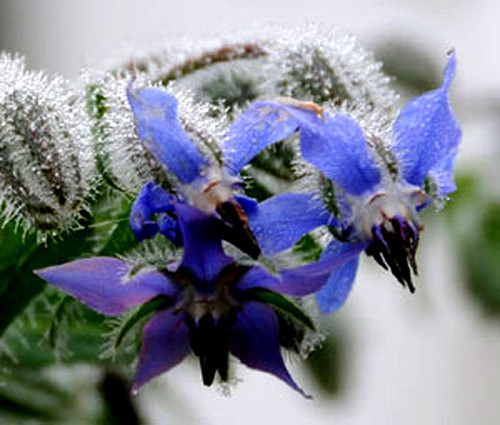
[209, 304]
[378, 204]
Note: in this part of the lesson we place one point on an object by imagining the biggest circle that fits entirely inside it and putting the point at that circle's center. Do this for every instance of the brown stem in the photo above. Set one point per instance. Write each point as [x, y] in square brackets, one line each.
[222, 54]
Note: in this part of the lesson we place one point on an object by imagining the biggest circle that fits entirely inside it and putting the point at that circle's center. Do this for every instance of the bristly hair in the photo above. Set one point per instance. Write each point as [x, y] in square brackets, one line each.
[47, 167]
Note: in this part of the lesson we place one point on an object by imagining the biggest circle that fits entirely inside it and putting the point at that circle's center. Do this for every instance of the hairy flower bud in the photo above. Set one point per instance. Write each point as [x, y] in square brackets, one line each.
[46, 161]
[329, 67]
[122, 158]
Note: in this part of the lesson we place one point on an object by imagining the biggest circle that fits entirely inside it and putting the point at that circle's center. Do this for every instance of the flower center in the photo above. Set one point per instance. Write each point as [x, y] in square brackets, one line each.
[210, 313]
[215, 194]
[390, 224]
[214, 188]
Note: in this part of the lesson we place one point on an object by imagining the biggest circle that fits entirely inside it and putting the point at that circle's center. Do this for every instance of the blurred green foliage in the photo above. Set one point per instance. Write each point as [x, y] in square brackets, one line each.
[475, 217]
[325, 364]
[41, 326]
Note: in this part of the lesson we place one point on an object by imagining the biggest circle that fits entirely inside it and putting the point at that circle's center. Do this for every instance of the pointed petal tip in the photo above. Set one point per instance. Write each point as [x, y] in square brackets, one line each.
[333, 295]
[102, 283]
[165, 343]
[137, 385]
[296, 387]
[449, 73]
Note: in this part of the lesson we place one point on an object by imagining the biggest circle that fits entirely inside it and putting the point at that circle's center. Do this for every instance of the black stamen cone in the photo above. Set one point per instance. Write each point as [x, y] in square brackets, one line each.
[224, 326]
[209, 341]
[394, 246]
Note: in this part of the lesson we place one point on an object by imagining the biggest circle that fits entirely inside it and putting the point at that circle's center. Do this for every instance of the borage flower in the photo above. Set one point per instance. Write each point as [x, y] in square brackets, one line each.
[210, 185]
[208, 304]
[377, 199]
[201, 180]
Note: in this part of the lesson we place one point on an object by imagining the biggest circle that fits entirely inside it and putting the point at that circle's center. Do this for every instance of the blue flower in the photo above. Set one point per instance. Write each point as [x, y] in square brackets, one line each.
[208, 185]
[203, 183]
[212, 305]
[378, 204]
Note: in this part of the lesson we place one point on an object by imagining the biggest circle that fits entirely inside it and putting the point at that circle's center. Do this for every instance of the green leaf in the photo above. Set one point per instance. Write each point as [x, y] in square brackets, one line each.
[142, 312]
[254, 188]
[291, 332]
[309, 249]
[57, 321]
[112, 233]
[325, 364]
[480, 253]
[18, 284]
[284, 305]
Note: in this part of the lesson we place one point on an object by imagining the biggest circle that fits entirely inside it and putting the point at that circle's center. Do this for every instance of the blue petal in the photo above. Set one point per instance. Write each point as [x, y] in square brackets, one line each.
[261, 125]
[155, 113]
[104, 285]
[282, 220]
[255, 341]
[337, 146]
[250, 205]
[169, 227]
[201, 233]
[165, 343]
[151, 200]
[426, 132]
[442, 174]
[333, 295]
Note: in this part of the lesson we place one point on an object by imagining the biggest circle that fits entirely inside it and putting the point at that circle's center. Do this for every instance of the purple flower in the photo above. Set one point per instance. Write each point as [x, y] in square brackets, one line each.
[378, 204]
[212, 306]
[208, 304]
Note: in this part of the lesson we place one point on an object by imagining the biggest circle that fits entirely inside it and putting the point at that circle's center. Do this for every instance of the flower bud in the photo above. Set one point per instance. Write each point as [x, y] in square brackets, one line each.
[46, 161]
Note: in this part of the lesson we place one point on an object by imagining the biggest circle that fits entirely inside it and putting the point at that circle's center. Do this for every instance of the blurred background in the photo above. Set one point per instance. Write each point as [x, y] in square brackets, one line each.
[390, 357]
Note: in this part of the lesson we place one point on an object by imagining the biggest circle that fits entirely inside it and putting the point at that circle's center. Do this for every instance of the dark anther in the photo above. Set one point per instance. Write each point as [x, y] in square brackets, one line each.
[239, 233]
[206, 338]
[209, 340]
[394, 246]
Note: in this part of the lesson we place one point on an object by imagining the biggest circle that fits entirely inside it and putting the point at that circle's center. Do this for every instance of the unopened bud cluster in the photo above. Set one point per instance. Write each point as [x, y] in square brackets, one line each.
[46, 160]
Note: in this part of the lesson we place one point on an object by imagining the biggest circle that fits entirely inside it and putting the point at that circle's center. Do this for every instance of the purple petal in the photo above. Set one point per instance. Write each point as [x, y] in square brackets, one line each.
[258, 277]
[155, 113]
[426, 132]
[201, 233]
[255, 341]
[261, 125]
[312, 277]
[304, 280]
[334, 293]
[165, 344]
[282, 220]
[152, 199]
[104, 285]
